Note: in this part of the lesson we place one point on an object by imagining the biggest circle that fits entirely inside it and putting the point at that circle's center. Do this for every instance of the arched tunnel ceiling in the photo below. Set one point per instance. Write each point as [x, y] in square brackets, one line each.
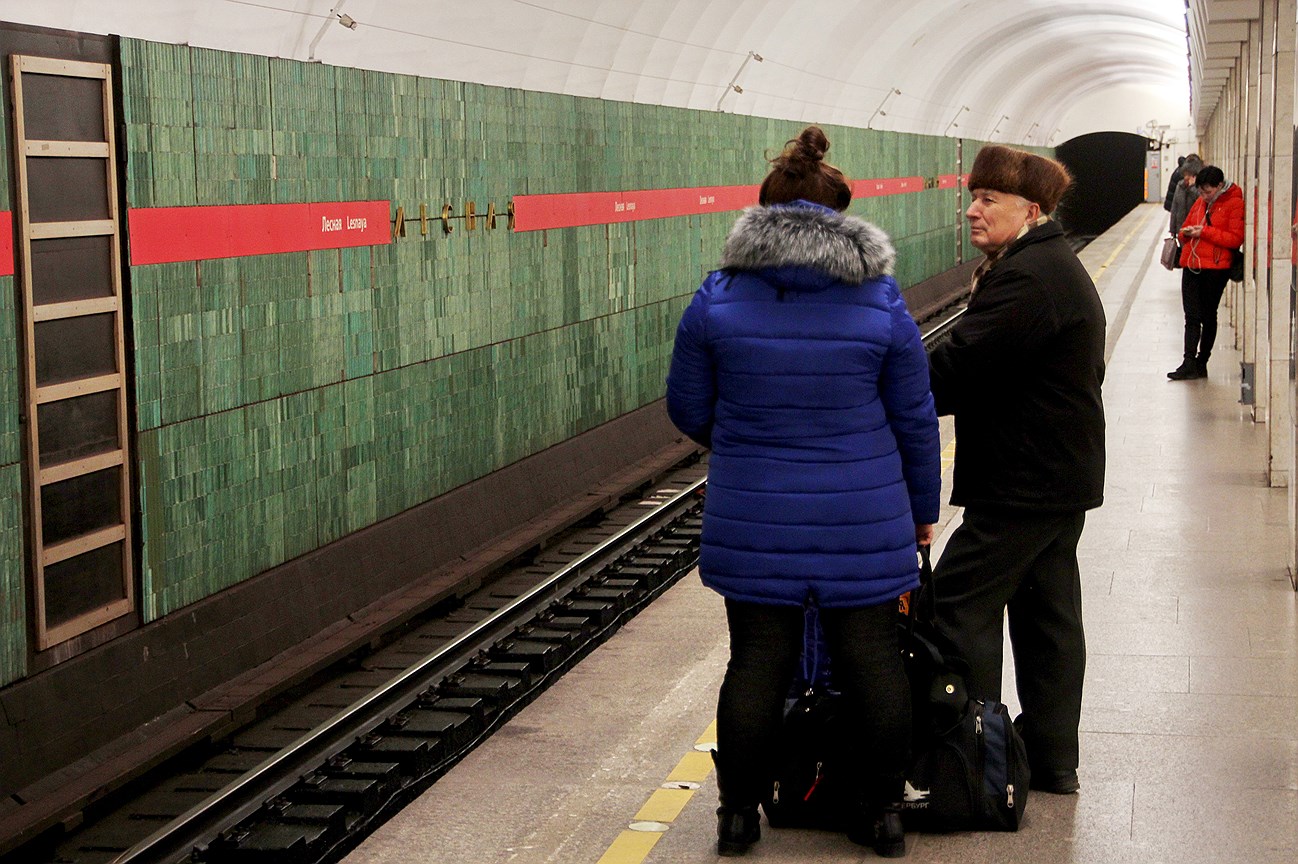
[1006, 70]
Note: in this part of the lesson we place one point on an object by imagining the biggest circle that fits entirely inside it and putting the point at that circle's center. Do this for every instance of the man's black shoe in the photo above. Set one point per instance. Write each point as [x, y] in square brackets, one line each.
[1187, 371]
[1055, 782]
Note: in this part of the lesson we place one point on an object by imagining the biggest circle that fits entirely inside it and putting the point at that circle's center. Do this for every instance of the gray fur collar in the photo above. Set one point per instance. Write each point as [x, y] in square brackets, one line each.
[847, 248]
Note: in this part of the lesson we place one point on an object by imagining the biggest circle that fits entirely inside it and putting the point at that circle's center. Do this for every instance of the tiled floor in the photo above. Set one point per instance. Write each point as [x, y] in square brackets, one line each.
[1190, 718]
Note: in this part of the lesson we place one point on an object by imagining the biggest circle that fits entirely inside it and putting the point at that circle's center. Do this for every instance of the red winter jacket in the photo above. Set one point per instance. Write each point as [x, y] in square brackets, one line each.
[1223, 231]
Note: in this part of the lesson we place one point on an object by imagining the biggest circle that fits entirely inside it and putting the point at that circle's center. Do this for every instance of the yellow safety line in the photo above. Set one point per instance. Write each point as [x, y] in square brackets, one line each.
[1122, 245]
[630, 847]
[664, 805]
[693, 768]
[633, 845]
[948, 455]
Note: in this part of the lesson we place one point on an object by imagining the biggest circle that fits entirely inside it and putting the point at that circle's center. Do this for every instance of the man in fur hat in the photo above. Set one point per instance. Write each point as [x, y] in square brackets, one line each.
[1022, 373]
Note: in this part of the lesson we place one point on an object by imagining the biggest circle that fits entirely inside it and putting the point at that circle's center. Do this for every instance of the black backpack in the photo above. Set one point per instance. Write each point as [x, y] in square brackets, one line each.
[973, 777]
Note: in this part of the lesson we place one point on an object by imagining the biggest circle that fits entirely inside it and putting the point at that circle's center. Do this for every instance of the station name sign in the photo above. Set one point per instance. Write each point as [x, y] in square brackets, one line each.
[160, 235]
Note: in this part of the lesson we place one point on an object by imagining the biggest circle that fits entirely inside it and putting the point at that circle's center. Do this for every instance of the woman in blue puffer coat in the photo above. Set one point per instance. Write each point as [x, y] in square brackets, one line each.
[798, 364]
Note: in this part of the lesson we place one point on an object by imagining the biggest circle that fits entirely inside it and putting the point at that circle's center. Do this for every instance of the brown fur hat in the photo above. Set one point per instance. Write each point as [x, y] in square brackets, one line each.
[1019, 172]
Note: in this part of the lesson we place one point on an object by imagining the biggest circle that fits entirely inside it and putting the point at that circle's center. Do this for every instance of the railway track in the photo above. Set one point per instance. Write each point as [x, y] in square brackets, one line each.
[308, 781]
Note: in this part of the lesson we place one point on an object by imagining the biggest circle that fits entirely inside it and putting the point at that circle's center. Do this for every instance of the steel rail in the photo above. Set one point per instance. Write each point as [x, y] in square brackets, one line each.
[226, 807]
[941, 327]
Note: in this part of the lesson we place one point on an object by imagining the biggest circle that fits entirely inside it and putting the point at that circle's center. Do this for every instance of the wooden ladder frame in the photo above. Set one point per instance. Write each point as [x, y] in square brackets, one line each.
[44, 556]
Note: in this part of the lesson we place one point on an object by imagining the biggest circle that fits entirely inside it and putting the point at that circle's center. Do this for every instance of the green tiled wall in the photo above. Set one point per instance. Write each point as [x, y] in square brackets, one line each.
[287, 400]
[13, 560]
[13, 590]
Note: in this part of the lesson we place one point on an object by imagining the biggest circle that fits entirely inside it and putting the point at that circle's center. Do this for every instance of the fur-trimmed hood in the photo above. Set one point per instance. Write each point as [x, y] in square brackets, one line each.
[808, 236]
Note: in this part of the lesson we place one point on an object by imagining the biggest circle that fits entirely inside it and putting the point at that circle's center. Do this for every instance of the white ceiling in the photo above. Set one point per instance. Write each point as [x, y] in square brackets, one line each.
[1007, 70]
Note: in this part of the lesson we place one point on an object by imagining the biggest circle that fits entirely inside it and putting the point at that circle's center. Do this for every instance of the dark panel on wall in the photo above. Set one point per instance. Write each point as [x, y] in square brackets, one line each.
[1109, 170]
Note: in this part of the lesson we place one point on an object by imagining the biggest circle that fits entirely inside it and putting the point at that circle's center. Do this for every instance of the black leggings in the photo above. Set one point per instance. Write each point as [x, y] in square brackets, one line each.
[1200, 295]
[765, 647]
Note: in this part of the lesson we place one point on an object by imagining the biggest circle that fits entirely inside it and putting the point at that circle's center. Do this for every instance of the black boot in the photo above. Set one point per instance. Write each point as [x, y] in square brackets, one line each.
[889, 835]
[1201, 367]
[738, 823]
[1188, 370]
[737, 829]
[881, 830]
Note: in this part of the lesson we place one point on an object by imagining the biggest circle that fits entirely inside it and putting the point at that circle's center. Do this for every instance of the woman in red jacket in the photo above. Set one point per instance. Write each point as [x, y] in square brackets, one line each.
[1211, 233]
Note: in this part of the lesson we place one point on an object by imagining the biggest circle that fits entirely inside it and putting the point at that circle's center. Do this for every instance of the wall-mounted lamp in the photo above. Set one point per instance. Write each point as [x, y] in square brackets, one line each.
[877, 111]
[335, 14]
[752, 55]
[952, 124]
[1004, 117]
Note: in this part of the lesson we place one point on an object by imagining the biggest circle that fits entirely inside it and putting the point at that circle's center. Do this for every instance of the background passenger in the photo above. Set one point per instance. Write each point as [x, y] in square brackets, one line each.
[1184, 197]
[1172, 183]
[1021, 372]
[1213, 229]
[798, 364]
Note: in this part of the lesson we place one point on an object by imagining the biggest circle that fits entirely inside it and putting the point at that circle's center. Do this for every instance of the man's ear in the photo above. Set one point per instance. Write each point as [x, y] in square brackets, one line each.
[1034, 211]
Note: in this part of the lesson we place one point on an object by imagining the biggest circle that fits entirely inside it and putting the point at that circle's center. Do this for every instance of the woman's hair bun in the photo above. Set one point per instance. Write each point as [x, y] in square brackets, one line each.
[810, 145]
[801, 172]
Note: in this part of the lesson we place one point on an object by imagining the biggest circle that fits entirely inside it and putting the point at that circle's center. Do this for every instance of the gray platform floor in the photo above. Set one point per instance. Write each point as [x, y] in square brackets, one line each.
[1190, 717]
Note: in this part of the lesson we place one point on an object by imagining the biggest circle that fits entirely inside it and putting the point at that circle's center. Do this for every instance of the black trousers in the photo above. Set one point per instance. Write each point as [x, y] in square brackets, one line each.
[765, 647]
[1025, 563]
[1200, 296]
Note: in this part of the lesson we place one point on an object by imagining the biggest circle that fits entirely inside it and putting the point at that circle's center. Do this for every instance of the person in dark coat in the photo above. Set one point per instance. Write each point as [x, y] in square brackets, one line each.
[1021, 372]
[1172, 183]
[1211, 233]
[799, 365]
[1186, 193]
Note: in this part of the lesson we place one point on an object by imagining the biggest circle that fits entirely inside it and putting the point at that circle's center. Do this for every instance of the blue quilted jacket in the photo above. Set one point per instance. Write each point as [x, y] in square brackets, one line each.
[798, 364]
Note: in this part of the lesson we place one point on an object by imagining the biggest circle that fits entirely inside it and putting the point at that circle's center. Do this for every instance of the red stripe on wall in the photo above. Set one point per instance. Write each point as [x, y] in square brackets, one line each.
[573, 209]
[888, 186]
[160, 235]
[6, 243]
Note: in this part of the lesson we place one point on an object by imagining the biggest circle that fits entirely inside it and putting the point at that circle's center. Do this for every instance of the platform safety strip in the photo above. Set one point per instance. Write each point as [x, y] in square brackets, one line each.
[1134, 228]
[658, 813]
